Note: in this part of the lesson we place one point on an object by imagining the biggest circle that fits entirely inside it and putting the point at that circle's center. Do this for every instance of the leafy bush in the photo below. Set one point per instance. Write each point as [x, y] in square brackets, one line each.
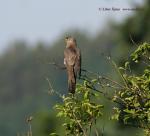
[135, 96]
[81, 110]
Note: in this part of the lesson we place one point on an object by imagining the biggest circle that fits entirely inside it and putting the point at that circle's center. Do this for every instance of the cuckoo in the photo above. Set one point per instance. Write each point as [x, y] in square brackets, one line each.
[72, 61]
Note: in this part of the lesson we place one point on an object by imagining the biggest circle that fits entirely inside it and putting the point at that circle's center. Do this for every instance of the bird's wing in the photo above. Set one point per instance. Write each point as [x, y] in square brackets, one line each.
[69, 61]
[70, 57]
[77, 67]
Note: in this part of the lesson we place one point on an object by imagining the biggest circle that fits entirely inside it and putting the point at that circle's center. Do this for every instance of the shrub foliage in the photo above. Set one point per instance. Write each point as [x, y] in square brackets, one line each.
[81, 110]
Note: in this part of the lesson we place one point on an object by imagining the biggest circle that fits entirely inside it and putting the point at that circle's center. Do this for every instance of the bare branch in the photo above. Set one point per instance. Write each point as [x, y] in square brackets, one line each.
[133, 41]
[51, 90]
[58, 66]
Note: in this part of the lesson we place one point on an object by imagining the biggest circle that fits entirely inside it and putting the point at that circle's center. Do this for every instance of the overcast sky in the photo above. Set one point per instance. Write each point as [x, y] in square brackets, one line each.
[45, 20]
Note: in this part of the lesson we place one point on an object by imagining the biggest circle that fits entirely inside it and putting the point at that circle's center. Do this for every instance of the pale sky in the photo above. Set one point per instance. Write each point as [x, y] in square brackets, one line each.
[34, 20]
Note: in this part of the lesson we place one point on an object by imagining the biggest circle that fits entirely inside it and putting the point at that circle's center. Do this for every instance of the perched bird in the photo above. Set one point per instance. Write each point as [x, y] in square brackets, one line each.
[72, 61]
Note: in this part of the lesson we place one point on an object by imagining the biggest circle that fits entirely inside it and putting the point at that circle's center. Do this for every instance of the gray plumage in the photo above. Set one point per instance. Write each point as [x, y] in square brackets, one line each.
[72, 61]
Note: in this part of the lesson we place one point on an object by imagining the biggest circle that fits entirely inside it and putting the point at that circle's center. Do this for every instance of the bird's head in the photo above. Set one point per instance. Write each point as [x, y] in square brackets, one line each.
[70, 41]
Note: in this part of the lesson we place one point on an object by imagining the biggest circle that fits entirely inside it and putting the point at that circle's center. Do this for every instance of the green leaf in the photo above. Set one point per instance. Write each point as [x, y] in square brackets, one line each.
[125, 120]
[86, 95]
[115, 117]
[94, 81]
[53, 134]
[132, 111]
[60, 114]
[121, 68]
[127, 64]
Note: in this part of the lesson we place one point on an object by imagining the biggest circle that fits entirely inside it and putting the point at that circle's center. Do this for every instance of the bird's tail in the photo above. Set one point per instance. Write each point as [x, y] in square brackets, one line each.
[71, 81]
[71, 87]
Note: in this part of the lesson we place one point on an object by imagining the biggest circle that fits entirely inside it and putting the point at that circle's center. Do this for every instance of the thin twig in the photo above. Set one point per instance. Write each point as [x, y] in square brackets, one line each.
[52, 90]
[116, 67]
[113, 81]
[133, 41]
[96, 132]
[58, 66]
[104, 77]
[30, 129]
[84, 133]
